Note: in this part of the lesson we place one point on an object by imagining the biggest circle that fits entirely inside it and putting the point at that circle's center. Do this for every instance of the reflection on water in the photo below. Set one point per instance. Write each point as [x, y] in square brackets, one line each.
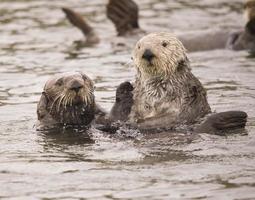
[36, 41]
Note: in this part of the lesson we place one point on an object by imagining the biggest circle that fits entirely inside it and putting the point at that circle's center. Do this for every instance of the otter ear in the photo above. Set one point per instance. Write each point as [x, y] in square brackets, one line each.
[250, 26]
[42, 106]
[84, 76]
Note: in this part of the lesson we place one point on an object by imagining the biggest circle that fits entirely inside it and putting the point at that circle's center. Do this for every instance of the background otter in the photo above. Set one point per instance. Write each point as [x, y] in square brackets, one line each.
[166, 93]
[124, 15]
[67, 99]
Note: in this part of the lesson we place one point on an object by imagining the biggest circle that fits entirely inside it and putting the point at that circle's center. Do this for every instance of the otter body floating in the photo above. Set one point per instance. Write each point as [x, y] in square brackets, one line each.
[166, 94]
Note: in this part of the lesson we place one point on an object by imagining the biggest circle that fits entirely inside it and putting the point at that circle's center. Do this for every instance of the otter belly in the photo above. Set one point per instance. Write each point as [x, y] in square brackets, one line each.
[154, 112]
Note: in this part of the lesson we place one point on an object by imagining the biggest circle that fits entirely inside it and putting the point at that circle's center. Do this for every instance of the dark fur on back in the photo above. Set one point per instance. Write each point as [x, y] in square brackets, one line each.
[67, 99]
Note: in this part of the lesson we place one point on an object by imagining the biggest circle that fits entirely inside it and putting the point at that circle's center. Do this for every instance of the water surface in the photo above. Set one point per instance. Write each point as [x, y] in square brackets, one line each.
[37, 41]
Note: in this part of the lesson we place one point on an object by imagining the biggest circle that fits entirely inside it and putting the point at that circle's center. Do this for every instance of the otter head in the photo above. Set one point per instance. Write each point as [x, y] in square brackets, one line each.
[68, 98]
[249, 10]
[246, 39]
[249, 7]
[158, 54]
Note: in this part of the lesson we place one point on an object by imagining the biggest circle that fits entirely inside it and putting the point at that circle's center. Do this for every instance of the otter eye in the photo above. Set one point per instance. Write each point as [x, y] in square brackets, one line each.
[147, 106]
[59, 82]
[164, 44]
[138, 46]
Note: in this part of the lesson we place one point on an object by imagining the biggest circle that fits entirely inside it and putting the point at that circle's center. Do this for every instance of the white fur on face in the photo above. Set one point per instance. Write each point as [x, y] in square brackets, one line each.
[168, 51]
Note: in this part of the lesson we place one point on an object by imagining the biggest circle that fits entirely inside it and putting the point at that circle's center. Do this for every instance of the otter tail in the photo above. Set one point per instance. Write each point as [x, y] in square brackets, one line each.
[124, 15]
[223, 121]
[78, 21]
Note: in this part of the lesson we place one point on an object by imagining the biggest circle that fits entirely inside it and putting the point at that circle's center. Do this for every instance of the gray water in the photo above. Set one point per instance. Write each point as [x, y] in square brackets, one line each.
[36, 41]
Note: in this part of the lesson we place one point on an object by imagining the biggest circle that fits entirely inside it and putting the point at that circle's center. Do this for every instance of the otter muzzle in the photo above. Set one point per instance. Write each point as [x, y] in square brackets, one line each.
[148, 55]
[75, 86]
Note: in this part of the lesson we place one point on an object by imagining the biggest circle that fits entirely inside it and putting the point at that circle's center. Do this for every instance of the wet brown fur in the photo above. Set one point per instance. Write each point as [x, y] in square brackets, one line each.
[166, 92]
[67, 99]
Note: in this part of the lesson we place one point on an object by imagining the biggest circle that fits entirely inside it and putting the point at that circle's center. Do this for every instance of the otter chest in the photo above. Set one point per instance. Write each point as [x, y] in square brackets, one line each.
[151, 101]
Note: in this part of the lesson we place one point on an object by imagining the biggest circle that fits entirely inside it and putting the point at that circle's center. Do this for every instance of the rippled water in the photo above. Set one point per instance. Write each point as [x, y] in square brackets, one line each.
[36, 41]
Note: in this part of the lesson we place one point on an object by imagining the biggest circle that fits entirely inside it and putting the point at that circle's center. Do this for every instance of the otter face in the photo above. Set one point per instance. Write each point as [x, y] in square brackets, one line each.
[158, 54]
[70, 89]
[68, 98]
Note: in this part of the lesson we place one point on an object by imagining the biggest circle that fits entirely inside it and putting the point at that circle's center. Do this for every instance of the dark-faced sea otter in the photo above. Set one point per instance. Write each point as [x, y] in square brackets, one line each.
[166, 94]
[67, 99]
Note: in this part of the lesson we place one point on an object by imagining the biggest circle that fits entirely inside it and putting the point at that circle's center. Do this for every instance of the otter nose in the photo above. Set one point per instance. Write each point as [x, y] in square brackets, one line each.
[148, 55]
[75, 86]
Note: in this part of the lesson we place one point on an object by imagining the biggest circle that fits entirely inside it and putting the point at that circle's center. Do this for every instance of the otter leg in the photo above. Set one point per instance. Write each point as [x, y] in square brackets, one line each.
[124, 15]
[223, 121]
[77, 20]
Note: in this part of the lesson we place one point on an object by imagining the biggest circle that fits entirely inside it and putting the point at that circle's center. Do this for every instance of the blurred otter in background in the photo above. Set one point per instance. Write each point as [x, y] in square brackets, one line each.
[249, 8]
[126, 22]
[91, 37]
[125, 16]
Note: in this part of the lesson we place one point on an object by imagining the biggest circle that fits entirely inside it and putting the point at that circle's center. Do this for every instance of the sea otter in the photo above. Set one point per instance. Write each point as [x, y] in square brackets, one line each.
[166, 94]
[124, 15]
[67, 99]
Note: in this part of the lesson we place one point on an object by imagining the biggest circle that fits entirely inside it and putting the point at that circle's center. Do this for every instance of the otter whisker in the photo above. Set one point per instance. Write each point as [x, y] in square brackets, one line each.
[71, 101]
[83, 98]
[129, 64]
[55, 101]
[65, 101]
[69, 98]
[60, 102]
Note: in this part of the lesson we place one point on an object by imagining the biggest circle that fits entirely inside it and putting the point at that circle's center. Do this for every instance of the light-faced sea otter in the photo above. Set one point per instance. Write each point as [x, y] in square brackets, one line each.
[166, 94]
